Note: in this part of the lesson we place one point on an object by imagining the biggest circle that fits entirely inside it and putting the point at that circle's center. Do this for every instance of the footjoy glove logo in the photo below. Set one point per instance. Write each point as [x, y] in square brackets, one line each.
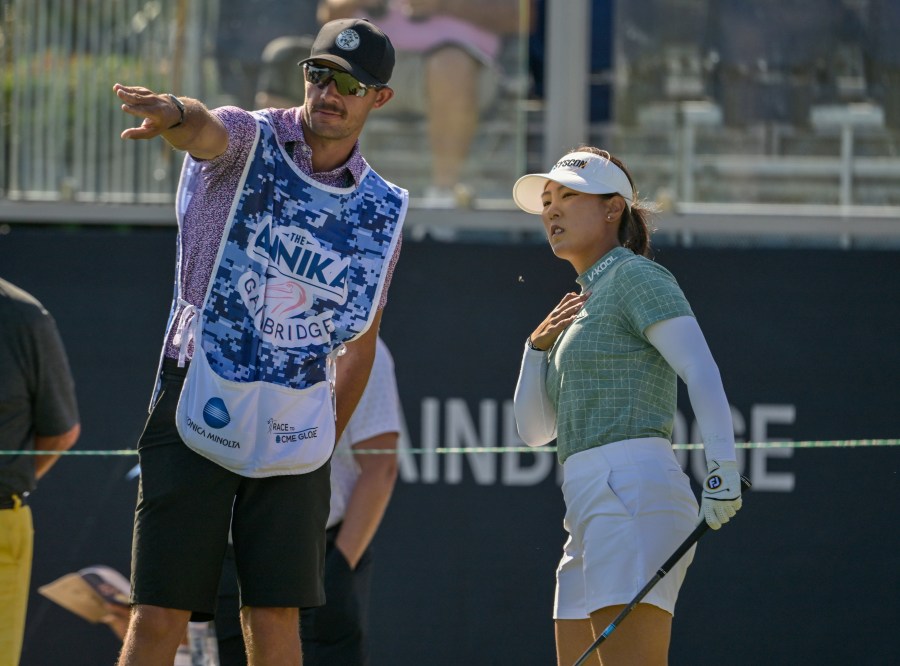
[714, 482]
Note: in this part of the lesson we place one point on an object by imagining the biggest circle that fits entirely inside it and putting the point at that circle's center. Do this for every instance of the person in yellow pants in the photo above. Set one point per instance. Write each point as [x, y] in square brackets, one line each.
[16, 545]
[38, 412]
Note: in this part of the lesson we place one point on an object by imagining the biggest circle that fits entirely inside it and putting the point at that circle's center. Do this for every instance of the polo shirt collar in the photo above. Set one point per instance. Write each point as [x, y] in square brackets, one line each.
[355, 164]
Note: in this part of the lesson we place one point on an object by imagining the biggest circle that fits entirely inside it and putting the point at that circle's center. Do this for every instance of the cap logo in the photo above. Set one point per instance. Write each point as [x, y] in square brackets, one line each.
[578, 164]
[347, 40]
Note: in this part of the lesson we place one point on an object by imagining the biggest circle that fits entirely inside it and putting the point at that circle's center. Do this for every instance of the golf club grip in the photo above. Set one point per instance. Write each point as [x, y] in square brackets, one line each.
[686, 545]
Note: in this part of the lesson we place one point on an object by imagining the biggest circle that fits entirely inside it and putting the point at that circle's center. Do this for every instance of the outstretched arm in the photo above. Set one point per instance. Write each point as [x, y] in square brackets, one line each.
[195, 131]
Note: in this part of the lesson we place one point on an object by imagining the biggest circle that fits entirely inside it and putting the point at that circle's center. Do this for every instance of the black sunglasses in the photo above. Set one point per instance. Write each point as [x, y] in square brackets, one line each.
[344, 82]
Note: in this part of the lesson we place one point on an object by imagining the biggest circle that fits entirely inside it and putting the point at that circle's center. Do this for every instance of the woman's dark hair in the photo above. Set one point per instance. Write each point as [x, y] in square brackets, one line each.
[635, 228]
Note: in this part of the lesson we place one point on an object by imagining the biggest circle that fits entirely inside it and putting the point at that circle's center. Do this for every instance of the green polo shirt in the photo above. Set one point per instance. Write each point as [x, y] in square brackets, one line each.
[607, 381]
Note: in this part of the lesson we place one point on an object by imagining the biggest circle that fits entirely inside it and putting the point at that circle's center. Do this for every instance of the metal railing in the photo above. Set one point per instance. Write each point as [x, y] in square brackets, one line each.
[60, 122]
[59, 119]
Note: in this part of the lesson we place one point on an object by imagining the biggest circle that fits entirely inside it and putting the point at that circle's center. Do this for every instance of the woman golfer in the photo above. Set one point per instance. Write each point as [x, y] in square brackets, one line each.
[599, 376]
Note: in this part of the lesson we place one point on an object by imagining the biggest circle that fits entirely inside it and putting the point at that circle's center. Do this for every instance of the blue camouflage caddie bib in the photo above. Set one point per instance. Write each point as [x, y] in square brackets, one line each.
[300, 271]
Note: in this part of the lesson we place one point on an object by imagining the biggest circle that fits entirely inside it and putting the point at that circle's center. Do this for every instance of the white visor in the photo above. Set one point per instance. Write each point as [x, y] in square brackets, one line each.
[583, 172]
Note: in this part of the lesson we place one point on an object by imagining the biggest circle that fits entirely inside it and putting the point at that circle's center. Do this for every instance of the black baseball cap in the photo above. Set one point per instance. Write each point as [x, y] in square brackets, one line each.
[357, 46]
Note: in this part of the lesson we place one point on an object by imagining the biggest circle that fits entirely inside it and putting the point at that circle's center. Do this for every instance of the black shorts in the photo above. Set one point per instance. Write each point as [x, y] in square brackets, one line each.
[184, 510]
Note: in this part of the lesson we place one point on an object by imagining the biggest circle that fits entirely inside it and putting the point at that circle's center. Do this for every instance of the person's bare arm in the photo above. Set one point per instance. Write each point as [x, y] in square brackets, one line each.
[331, 10]
[200, 133]
[62, 442]
[353, 370]
[117, 618]
[370, 496]
[499, 16]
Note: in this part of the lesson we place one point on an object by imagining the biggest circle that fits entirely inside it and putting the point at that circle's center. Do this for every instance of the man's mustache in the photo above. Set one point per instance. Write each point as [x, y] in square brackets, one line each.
[328, 109]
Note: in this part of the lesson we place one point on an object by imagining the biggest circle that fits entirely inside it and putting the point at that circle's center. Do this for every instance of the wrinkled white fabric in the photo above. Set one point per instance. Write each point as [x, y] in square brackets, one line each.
[535, 414]
[681, 343]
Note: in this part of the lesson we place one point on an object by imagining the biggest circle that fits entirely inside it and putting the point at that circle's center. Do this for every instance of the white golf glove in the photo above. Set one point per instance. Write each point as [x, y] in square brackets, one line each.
[721, 493]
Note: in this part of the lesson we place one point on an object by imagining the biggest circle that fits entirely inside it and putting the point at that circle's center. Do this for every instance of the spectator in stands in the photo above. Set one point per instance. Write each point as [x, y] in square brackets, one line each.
[602, 46]
[245, 27]
[537, 40]
[883, 56]
[772, 57]
[662, 44]
[281, 83]
[446, 69]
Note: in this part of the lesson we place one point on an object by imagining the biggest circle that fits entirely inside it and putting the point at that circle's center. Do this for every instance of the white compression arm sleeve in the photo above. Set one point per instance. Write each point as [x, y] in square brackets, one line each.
[535, 415]
[681, 343]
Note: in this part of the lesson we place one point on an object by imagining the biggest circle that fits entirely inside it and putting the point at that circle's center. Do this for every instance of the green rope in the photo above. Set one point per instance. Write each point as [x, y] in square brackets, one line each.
[809, 444]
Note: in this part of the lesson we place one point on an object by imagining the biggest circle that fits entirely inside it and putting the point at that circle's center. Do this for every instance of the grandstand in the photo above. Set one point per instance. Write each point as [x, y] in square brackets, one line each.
[710, 117]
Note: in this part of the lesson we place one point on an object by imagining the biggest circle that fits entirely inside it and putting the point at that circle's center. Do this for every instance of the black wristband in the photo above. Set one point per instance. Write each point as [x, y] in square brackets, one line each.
[531, 345]
[177, 102]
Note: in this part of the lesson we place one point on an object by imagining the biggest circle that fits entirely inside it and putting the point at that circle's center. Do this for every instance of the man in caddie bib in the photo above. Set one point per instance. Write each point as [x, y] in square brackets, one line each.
[287, 242]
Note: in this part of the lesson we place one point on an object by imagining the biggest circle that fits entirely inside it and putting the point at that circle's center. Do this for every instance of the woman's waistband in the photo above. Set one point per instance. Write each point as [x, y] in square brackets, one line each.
[623, 452]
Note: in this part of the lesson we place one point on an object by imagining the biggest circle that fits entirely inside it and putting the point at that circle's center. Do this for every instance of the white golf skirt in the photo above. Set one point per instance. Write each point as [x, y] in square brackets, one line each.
[629, 505]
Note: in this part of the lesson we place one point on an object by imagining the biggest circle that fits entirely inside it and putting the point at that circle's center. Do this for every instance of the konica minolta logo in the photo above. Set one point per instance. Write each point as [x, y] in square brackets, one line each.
[216, 414]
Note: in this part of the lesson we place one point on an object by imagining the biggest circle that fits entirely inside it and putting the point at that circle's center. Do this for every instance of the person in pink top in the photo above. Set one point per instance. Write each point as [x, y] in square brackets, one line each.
[446, 60]
[309, 181]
